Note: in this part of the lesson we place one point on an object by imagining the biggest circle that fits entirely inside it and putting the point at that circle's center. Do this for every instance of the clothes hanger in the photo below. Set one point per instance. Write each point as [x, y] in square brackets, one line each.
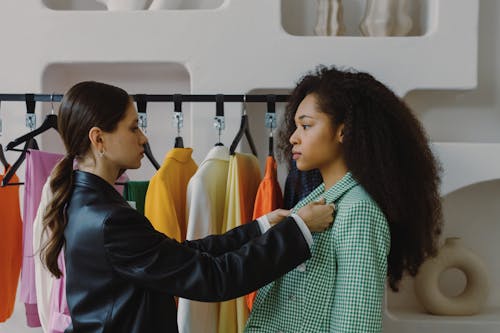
[178, 120]
[141, 102]
[219, 122]
[3, 159]
[244, 130]
[49, 122]
[149, 155]
[30, 144]
[271, 121]
[29, 139]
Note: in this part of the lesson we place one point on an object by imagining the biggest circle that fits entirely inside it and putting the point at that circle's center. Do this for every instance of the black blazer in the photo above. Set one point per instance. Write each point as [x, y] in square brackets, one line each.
[122, 274]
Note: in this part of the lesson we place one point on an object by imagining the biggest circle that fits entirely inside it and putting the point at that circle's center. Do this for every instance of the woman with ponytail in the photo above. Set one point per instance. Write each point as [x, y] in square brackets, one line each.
[121, 274]
[379, 171]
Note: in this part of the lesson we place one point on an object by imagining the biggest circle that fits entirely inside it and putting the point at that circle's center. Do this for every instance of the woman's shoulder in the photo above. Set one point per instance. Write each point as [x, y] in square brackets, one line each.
[358, 202]
[355, 196]
[123, 213]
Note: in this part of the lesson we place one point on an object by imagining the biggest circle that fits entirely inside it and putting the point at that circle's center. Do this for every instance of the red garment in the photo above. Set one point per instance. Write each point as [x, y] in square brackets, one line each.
[10, 247]
[269, 197]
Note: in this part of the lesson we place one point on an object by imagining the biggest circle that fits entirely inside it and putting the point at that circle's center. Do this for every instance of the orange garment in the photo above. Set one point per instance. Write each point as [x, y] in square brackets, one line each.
[10, 247]
[249, 177]
[269, 197]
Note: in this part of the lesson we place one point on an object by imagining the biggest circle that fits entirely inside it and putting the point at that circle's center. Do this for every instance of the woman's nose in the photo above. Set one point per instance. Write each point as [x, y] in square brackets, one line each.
[144, 138]
[294, 138]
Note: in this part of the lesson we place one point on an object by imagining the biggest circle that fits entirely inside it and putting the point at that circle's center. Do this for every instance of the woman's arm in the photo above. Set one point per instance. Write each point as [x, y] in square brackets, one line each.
[148, 258]
[231, 240]
[362, 243]
[218, 244]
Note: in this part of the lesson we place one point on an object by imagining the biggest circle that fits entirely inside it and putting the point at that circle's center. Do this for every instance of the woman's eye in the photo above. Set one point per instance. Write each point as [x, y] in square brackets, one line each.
[306, 126]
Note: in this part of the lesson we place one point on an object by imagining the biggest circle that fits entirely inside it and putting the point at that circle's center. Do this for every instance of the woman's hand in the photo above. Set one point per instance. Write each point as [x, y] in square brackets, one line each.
[277, 215]
[317, 215]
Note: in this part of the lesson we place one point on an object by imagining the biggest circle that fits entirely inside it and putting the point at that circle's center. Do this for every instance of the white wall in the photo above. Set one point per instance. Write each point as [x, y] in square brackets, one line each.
[238, 49]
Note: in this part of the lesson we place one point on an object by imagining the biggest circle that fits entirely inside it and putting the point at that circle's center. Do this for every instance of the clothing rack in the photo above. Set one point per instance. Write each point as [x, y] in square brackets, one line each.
[155, 98]
[142, 99]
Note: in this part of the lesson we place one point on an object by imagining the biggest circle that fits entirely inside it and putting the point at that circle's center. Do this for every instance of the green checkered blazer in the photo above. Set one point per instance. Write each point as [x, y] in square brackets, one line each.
[340, 289]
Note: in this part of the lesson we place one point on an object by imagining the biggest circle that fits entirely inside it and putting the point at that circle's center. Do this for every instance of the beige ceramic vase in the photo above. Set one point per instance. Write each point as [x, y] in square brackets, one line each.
[452, 255]
[386, 18]
[330, 21]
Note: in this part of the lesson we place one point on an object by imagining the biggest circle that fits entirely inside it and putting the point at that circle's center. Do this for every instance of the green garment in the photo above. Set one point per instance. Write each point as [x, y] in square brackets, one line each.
[136, 192]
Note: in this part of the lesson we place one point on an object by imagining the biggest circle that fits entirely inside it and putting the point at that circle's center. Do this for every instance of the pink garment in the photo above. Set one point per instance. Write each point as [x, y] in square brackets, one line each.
[59, 316]
[39, 165]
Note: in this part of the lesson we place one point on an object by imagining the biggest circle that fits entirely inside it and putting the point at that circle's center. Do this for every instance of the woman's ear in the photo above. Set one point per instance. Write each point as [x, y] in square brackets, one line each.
[340, 133]
[95, 137]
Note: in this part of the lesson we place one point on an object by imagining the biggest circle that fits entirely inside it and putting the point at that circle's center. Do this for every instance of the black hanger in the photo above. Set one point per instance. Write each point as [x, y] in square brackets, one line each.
[271, 120]
[141, 101]
[29, 139]
[30, 144]
[49, 122]
[3, 159]
[149, 155]
[219, 116]
[179, 143]
[244, 129]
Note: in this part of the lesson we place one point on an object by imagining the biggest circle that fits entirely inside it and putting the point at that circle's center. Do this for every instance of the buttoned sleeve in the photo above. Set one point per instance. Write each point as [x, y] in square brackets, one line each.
[362, 244]
[151, 260]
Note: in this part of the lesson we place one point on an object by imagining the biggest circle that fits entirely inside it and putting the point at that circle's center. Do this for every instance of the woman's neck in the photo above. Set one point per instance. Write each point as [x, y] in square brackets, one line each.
[108, 174]
[333, 173]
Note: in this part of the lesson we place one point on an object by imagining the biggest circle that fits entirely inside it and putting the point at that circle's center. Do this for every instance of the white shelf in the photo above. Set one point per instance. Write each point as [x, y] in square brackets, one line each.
[248, 46]
[470, 186]
[489, 315]
[467, 163]
[409, 321]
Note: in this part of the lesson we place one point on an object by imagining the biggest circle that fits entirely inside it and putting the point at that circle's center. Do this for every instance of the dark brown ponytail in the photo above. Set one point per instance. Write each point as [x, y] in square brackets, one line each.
[61, 181]
[85, 105]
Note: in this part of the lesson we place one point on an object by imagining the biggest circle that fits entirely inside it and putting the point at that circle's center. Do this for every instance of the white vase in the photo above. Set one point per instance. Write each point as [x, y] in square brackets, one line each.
[336, 25]
[453, 254]
[378, 19]
[404, 22]
[386, 18]
[323, 8]
[330, 19]
[165, 4]
[124, 4]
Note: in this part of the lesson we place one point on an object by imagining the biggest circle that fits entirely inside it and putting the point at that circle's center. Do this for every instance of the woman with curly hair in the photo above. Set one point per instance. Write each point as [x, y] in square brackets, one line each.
[380, 173]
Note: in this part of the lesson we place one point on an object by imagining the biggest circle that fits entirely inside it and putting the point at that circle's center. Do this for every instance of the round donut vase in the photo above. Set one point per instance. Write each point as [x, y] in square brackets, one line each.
[453, 254]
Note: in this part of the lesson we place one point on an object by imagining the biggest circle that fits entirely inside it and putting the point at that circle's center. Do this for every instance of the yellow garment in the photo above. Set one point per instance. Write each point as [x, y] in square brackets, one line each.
[165, 204]
[242, 184]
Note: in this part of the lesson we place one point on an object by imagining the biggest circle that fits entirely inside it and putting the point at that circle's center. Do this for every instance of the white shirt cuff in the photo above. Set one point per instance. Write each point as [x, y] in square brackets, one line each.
[303, 227]
[264, 223]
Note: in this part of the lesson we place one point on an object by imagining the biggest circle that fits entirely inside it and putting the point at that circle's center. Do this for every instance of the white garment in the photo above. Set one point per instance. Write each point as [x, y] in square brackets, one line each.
[206, 194]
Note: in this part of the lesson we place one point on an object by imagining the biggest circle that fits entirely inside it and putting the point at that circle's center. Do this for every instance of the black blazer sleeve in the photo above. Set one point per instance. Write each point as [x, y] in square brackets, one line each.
[231, 240]
[151, 260]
